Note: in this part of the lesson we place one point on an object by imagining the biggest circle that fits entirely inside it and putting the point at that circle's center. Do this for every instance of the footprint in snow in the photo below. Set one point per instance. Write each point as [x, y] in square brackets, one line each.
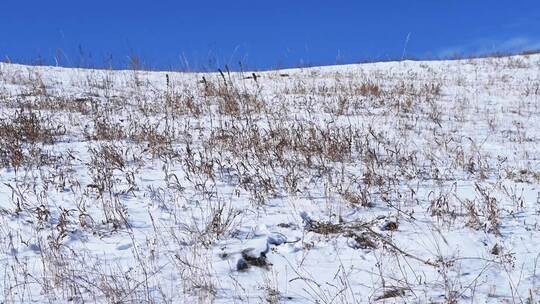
[35, 248]
[276, 239]
[123, 246]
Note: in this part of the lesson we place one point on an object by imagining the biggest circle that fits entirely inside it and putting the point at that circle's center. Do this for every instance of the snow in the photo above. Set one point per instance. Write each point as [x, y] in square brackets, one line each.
[408, 182]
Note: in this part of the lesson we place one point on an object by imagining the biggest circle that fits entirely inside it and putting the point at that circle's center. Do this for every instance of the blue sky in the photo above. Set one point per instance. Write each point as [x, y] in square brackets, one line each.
[261, 34]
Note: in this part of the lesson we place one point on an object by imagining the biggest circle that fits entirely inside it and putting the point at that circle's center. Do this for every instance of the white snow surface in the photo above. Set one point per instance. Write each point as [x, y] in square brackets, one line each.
[448, 151]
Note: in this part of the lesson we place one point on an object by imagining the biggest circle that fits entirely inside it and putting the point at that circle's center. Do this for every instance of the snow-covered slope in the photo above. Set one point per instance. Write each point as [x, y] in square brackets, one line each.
[413, 182]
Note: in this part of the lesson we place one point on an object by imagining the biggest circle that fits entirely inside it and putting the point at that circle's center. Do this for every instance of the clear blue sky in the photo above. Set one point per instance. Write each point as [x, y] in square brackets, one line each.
[261, 34]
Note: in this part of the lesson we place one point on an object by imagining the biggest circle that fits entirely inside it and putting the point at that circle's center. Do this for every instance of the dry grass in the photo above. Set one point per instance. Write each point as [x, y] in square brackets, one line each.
[167, 169]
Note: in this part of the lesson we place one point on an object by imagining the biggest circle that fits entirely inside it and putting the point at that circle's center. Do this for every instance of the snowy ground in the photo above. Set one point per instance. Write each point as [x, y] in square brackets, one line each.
[412, 182]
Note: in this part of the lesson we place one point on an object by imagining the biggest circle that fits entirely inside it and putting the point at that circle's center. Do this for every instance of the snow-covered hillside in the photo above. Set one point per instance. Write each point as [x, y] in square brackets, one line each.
[413, 182]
